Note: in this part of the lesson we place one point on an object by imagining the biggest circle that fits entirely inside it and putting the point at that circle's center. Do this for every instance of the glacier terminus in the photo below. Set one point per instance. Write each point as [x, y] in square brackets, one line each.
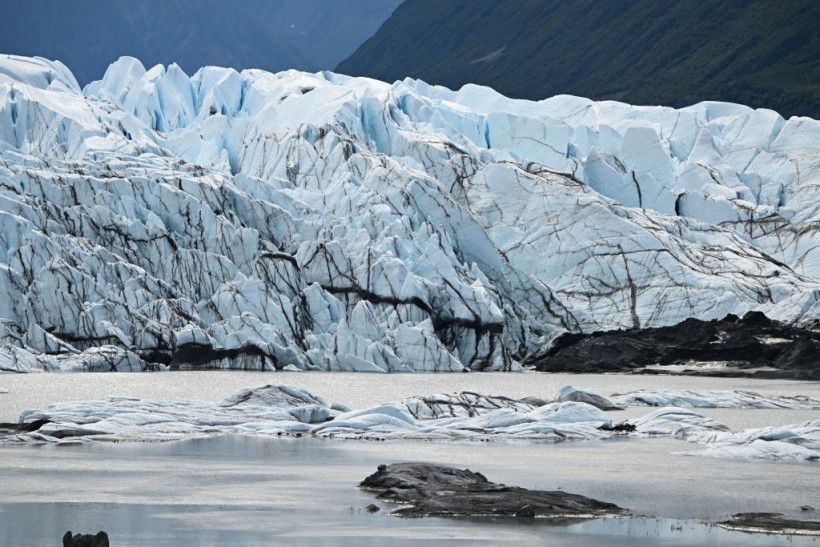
[304, 221]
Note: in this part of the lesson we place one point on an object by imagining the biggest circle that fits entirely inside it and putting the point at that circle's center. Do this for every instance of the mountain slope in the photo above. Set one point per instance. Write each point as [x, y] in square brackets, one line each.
[325, 32]
[317, 221]
[273, 34]
[755, 52]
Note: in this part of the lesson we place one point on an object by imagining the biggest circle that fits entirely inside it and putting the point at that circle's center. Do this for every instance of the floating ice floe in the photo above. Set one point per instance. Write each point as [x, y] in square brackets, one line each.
[789, 442]
[266, 410]
[483, 420]
[714, 399]
[680, 423]
[276, 410]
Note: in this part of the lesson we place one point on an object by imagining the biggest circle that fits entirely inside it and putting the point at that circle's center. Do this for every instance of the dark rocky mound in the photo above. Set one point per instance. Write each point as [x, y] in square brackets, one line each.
[100, 539]
[435, 490]
[752, 346]
[24, 427]
[771, 522]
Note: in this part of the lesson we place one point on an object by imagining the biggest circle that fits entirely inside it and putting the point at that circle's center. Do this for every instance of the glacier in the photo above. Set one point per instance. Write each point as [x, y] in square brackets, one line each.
[264, 221]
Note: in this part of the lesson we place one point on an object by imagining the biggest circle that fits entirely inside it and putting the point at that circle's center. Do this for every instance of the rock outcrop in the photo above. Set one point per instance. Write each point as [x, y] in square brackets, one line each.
[771, 523]
[100, 539]
[439, 491]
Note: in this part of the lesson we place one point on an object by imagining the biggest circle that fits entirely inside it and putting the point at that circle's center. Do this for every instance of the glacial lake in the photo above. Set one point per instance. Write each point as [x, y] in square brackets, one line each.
[261, 491]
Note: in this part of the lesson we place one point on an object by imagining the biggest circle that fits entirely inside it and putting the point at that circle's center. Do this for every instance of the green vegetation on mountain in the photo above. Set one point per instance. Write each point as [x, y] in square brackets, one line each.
[762, 53]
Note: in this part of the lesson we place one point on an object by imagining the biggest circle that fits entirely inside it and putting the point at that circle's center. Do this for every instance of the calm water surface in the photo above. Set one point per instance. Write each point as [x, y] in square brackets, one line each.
[257, 491]
[253, 491]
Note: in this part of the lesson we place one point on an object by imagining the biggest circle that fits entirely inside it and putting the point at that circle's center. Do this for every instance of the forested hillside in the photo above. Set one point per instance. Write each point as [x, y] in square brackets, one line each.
[756, 52]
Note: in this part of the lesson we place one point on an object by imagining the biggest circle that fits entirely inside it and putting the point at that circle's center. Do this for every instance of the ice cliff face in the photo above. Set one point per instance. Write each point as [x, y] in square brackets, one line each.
[315, 221]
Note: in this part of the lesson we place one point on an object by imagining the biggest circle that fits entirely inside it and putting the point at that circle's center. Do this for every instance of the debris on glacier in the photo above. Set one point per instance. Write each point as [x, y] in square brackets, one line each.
[319, 222]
